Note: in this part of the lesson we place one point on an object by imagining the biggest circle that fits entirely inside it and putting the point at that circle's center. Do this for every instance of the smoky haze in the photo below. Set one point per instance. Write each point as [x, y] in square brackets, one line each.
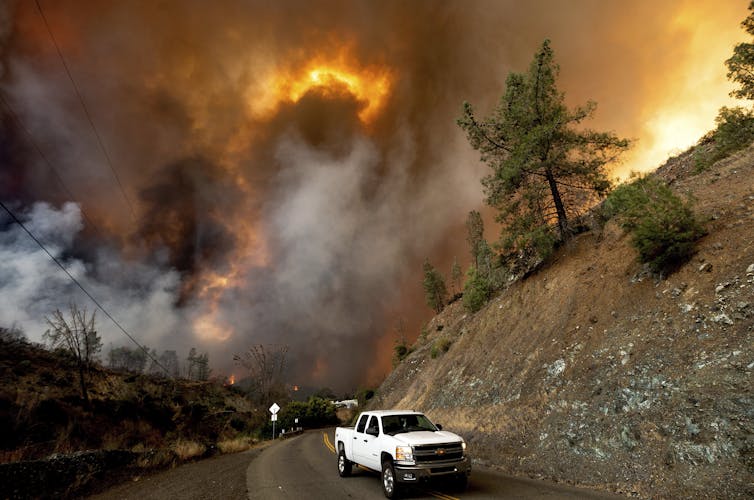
[264, 215]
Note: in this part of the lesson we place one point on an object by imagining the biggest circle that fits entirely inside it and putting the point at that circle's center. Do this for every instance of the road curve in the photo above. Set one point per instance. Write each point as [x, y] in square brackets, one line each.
[305, 467]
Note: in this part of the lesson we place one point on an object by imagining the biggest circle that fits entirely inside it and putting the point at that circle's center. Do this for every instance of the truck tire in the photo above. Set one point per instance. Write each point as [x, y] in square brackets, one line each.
[389, 483]
[460, 483]
[344, 465]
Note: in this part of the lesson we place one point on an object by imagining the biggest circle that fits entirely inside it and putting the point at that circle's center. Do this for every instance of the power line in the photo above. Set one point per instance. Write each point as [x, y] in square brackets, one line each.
[86, 292]
[58, 177]
[86, 110]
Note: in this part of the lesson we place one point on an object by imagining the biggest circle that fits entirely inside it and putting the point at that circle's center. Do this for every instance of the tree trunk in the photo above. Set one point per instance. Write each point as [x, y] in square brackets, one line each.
[559, 208]
[82, 381]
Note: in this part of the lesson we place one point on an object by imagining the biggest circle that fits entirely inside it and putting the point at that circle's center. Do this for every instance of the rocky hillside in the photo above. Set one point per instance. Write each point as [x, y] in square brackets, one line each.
[591, 371]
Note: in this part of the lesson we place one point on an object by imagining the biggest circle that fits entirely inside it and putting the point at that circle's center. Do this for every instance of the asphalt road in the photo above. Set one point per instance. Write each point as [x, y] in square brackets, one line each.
[305, 467]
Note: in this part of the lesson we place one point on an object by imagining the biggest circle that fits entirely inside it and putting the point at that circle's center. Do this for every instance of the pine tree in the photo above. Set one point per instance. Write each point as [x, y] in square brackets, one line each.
[191, 363]
[456, 274]
[544, 169]
[475, 235]
[434, 288]
[741, 64]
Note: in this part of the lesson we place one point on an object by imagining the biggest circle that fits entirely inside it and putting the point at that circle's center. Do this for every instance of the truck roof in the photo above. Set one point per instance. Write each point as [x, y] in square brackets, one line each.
[393, 412]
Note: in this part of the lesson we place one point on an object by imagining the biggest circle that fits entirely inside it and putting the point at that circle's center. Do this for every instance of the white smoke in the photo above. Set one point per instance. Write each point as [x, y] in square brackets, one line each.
[138, 295]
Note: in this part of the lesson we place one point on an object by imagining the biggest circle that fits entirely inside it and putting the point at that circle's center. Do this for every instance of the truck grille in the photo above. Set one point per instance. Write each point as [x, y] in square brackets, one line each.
[432, 453]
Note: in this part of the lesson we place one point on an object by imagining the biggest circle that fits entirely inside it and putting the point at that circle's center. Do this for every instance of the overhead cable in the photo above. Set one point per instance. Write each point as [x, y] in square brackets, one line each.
[78, 284]
[86, 110]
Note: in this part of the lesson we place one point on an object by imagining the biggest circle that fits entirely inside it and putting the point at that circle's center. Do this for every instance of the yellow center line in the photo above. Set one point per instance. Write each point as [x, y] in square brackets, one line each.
[437, 494]
[329, 445]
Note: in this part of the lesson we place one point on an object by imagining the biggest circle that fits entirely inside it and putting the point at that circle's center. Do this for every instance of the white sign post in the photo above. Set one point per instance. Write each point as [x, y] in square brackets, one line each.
[274, 409]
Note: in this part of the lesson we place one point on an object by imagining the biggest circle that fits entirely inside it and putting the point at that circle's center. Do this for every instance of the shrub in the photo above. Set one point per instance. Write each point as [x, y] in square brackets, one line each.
[440, 346]
[235, 445]
[316, 412]
[476, 290]
[186, 449]
[663, 227]
[401, 351]
[735, 131]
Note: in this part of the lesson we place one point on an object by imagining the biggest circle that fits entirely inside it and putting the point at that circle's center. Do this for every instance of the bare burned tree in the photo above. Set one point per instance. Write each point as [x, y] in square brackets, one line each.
[78, 337]
[265, 365]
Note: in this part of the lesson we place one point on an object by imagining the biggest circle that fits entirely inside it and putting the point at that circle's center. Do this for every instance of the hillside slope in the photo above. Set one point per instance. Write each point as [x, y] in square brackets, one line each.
[590, 371]
[54, 445]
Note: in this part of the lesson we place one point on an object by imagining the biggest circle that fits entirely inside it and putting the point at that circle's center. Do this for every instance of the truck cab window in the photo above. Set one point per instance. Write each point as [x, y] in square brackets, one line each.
[374, 426]
[362, 425]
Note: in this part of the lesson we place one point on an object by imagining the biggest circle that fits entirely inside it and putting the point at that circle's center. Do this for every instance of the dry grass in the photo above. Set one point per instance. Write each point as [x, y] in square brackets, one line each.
[186, 449]
[156, 459]
[235, 445]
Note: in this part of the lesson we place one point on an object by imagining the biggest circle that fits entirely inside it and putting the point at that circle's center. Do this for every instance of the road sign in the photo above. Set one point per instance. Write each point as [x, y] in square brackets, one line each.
[274, 417]
[274, 408]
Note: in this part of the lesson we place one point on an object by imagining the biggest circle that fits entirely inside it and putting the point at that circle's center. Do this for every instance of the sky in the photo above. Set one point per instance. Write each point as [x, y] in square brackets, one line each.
[226, 174]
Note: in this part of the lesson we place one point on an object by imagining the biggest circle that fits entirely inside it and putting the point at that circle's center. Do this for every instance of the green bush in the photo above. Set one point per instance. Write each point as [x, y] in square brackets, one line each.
[735, 131]
[316, 412]
[476, 290]
[401, 351]
[440, 346]
[663, 227]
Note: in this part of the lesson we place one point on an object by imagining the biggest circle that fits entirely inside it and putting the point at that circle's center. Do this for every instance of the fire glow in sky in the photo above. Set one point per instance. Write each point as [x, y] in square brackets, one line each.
[287, 166]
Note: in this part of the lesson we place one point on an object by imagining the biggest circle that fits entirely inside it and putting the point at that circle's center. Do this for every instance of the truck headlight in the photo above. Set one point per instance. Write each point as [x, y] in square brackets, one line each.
[404, 454]
[463, 447]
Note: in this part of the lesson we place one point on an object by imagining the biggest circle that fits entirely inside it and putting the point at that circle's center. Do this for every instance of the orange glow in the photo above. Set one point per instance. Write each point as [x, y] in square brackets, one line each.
[683, 106]
[232, 379]
[370, 85]
[321, 369]
[209, 328]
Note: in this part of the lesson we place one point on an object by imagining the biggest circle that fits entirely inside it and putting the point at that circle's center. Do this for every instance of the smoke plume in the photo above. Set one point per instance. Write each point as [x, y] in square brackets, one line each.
[285, 168]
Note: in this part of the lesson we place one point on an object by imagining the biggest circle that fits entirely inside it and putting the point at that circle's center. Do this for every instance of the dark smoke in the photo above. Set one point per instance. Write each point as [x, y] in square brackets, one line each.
[318, 221]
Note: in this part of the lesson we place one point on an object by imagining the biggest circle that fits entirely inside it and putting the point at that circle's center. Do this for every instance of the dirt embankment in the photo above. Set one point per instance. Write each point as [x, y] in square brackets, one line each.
[593, 372]
[53, 444]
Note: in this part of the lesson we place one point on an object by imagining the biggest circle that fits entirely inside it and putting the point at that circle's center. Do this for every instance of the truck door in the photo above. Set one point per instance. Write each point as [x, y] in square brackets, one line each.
[369, 444]
[357, 444]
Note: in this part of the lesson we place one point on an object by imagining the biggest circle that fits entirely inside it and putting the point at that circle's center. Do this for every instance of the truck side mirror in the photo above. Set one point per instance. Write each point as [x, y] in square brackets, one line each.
[373, 431]
[439, 427]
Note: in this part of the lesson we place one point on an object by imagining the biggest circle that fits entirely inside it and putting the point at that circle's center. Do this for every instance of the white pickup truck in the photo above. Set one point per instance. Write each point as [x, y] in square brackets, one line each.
[405, 446]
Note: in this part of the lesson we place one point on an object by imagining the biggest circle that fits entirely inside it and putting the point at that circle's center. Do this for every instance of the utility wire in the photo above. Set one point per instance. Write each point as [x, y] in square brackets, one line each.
[36, 147]
[86, 292]
[86, 110]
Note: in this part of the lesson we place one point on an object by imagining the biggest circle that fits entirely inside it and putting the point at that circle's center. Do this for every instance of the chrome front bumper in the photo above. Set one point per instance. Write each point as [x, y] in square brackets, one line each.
[414, 473]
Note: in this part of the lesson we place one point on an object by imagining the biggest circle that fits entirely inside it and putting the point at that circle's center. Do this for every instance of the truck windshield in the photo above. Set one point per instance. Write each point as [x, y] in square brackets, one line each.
[395, 424]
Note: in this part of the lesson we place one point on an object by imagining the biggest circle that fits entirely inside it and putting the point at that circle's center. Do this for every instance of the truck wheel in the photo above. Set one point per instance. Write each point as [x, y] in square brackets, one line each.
[389, 484]
[344, 465]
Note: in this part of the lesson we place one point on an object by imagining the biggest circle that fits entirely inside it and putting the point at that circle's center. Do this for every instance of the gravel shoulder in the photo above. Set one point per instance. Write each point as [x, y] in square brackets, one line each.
[223, 476]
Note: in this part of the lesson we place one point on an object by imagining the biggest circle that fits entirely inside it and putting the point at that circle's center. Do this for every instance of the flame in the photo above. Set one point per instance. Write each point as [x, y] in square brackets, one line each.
[231, 379]
[680, 112]
[370, 85]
